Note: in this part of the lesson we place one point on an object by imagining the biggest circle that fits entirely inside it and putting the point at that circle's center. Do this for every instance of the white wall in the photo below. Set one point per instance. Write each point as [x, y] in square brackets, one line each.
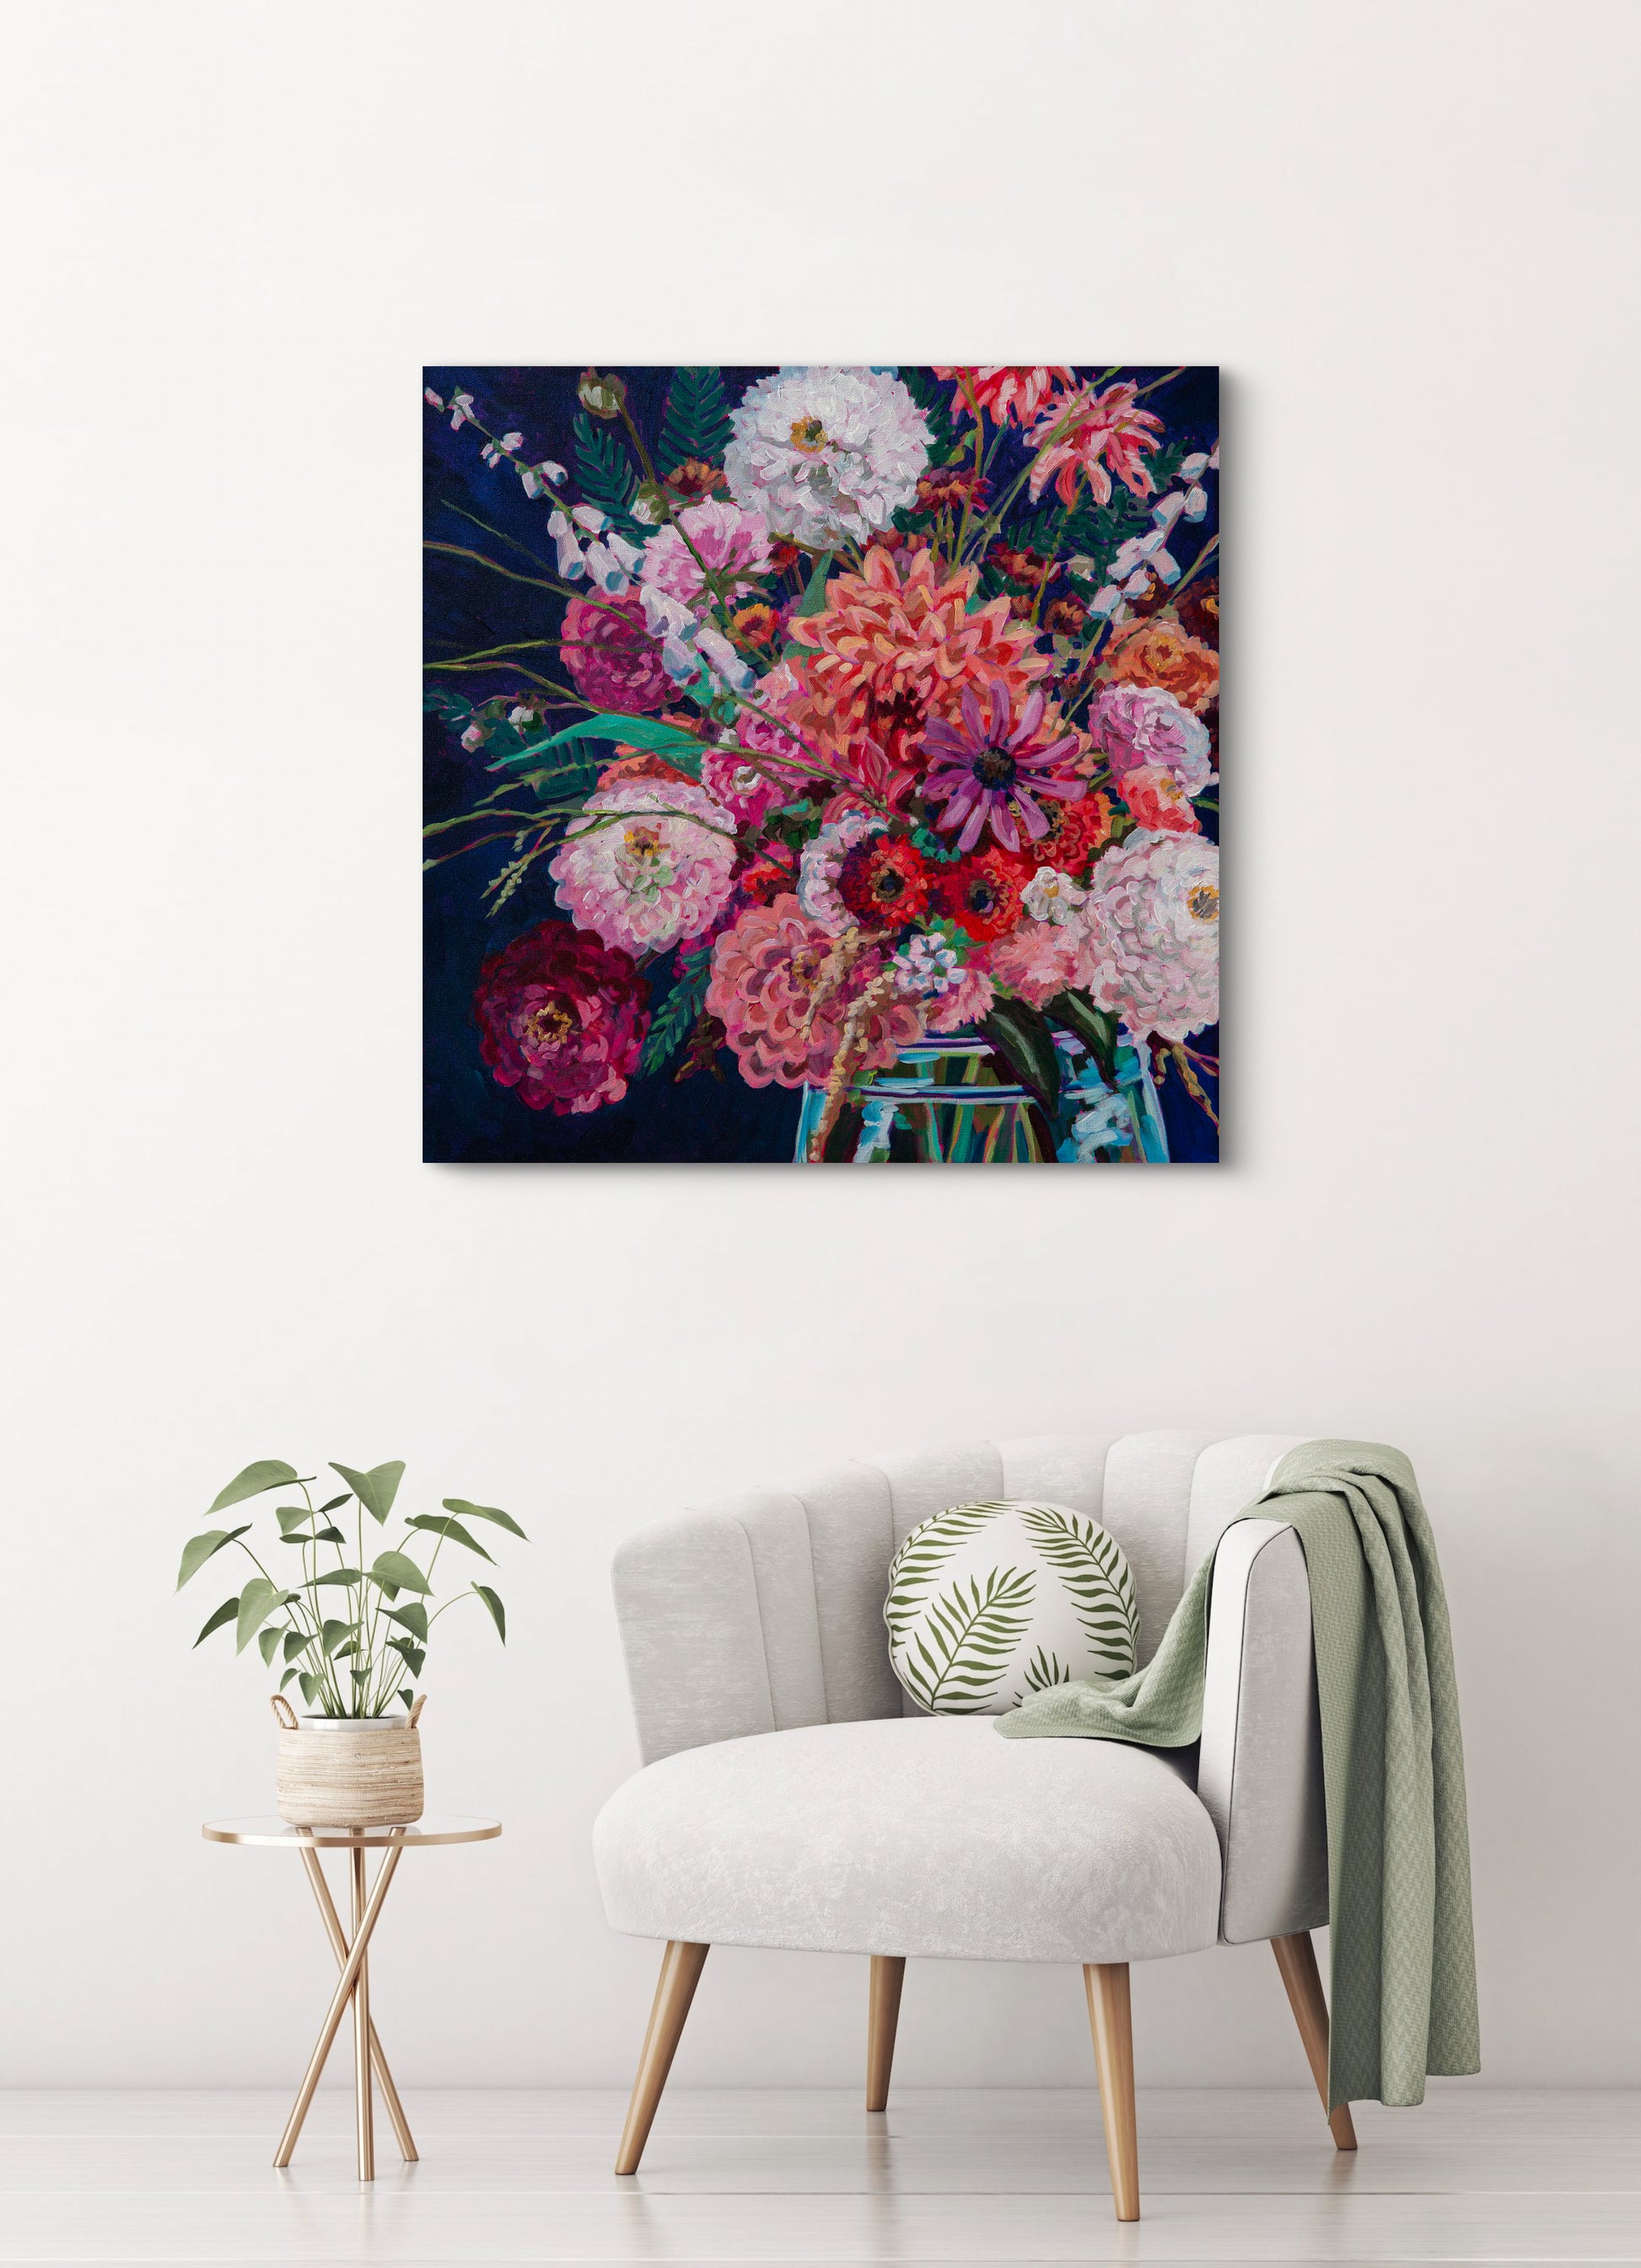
[1407, 235]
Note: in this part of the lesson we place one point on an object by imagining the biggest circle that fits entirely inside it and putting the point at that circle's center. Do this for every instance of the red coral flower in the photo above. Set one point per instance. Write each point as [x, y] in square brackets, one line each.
[884, 882]
[562, 1017]
[982, 893]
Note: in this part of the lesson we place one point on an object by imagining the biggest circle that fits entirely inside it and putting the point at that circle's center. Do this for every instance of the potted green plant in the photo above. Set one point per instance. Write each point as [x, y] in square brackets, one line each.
[352, 1637]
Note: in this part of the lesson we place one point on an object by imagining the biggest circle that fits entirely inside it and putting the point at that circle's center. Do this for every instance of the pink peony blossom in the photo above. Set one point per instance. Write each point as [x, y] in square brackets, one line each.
[1138, 725]
[741, 782]
[782, 998]
[722, 539]
[1157, 800]
[611, 657]
[652, 862]
[967, 1001]
[1038, 959]
[562, 1019]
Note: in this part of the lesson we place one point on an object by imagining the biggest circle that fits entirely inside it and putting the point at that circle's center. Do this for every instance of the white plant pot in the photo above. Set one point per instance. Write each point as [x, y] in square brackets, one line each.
[349, 1771]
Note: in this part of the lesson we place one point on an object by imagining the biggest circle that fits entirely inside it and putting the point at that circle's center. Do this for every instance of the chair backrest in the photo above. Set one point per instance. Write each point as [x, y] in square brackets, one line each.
[765, 1610]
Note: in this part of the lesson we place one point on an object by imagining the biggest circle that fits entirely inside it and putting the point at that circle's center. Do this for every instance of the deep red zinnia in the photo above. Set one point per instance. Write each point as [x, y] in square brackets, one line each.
[884, 882]
[982, 893]
[562, 1017]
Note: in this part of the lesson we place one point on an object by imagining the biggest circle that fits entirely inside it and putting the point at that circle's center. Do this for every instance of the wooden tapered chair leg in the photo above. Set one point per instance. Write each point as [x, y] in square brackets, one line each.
[1112, 2024]
[1296, 1957]
[680, 1972]
[883, 2016]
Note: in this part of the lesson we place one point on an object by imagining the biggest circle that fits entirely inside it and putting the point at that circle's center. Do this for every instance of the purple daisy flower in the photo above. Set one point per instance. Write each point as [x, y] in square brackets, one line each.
[989, 771]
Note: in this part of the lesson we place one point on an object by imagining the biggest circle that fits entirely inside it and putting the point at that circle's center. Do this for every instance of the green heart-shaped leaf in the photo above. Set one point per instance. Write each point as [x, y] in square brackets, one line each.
[256, 1480]
[485, 1512]
[199, 1548]
[394, 1571]
[442, 1524]
[376, 1488]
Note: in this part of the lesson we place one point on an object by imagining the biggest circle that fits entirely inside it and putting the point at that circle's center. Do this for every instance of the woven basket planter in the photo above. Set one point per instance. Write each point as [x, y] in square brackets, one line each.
[349, 1771]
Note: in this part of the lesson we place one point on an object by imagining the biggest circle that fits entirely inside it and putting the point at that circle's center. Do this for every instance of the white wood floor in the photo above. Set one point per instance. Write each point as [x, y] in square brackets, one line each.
[783, 2177]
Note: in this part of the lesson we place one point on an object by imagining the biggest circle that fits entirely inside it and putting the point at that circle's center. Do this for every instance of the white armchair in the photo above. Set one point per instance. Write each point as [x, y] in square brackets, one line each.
[792, 1795]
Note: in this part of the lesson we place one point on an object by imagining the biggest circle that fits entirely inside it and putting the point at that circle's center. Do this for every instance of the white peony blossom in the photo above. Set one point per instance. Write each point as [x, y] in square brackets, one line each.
[824, 452]
[1154, 917]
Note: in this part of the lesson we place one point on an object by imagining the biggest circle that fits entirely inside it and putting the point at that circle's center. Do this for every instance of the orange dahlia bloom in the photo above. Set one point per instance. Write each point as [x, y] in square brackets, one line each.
[892, 651]
[1161, 653]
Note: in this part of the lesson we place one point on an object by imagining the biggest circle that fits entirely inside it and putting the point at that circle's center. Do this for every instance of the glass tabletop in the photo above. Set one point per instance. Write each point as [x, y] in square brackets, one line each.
[434, 1828]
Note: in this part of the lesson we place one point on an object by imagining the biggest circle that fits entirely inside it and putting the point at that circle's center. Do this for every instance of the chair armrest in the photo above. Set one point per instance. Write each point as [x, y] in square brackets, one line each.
[1260, 1769]
[687, 1601]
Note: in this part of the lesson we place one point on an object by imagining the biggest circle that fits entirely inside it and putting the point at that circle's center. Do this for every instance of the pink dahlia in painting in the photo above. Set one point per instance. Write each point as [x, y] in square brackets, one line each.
[614, 661]
[651, 862]
[783, 988]
[714, 538]
[1154, 917]
[1095, 435]
[740, 784]
[1156, 801]
[1041, 958]
[1003, 390]
[965, 1002]
[989, 767]
[562, 1019]
[1140, 725]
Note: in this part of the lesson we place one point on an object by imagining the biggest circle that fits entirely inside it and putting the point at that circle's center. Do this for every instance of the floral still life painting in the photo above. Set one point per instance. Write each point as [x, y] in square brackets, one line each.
[822, 764]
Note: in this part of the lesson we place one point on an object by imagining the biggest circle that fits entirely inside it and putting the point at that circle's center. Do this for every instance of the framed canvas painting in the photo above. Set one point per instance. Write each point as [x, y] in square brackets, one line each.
[821, 764]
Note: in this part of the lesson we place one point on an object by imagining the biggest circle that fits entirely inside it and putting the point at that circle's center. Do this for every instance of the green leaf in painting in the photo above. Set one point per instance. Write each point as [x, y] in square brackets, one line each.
[199, 1548]
[1096, 1028]
[441, 1524]
[414, 1617]
[268, 1473]
[498, 1613]
[225, 1613]
[670, 1026]
[485, 1512]
[694, 422]
[1021, 1037]
[609, 725]
[814, 601]
[394, 1571]
[606, 473]
[376, 1488]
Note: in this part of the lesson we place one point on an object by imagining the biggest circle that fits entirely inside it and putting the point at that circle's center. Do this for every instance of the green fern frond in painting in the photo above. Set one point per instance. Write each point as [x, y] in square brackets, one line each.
[921, 1557]
[694, 422]
[605, 471]
[956, 1661]
[1096, 1577]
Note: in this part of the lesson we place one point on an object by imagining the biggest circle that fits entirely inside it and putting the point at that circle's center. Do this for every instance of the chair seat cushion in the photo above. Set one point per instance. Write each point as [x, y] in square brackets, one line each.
[913, 1835]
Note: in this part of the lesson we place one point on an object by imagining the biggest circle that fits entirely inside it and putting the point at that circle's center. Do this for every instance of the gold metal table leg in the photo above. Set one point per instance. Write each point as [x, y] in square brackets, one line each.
[350, 1976]
[339, 1946]
[365, 2114]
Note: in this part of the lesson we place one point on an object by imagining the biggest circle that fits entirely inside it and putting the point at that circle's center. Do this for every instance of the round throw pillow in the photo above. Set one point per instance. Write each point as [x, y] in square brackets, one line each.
[989, 1602]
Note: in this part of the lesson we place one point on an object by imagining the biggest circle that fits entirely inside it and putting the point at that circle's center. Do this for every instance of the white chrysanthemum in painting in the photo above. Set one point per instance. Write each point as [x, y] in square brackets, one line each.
[824, 452]
[1153, 914]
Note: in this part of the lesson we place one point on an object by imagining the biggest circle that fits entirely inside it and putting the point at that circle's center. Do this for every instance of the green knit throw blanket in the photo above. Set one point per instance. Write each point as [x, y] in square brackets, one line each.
[1402, 1952]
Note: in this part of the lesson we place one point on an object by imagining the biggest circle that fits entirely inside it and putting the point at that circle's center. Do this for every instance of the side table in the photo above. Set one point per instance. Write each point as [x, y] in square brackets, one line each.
[352, 1951]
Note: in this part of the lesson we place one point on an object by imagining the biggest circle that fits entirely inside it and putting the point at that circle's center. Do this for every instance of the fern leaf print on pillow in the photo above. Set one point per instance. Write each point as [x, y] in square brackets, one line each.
[988, 1603]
